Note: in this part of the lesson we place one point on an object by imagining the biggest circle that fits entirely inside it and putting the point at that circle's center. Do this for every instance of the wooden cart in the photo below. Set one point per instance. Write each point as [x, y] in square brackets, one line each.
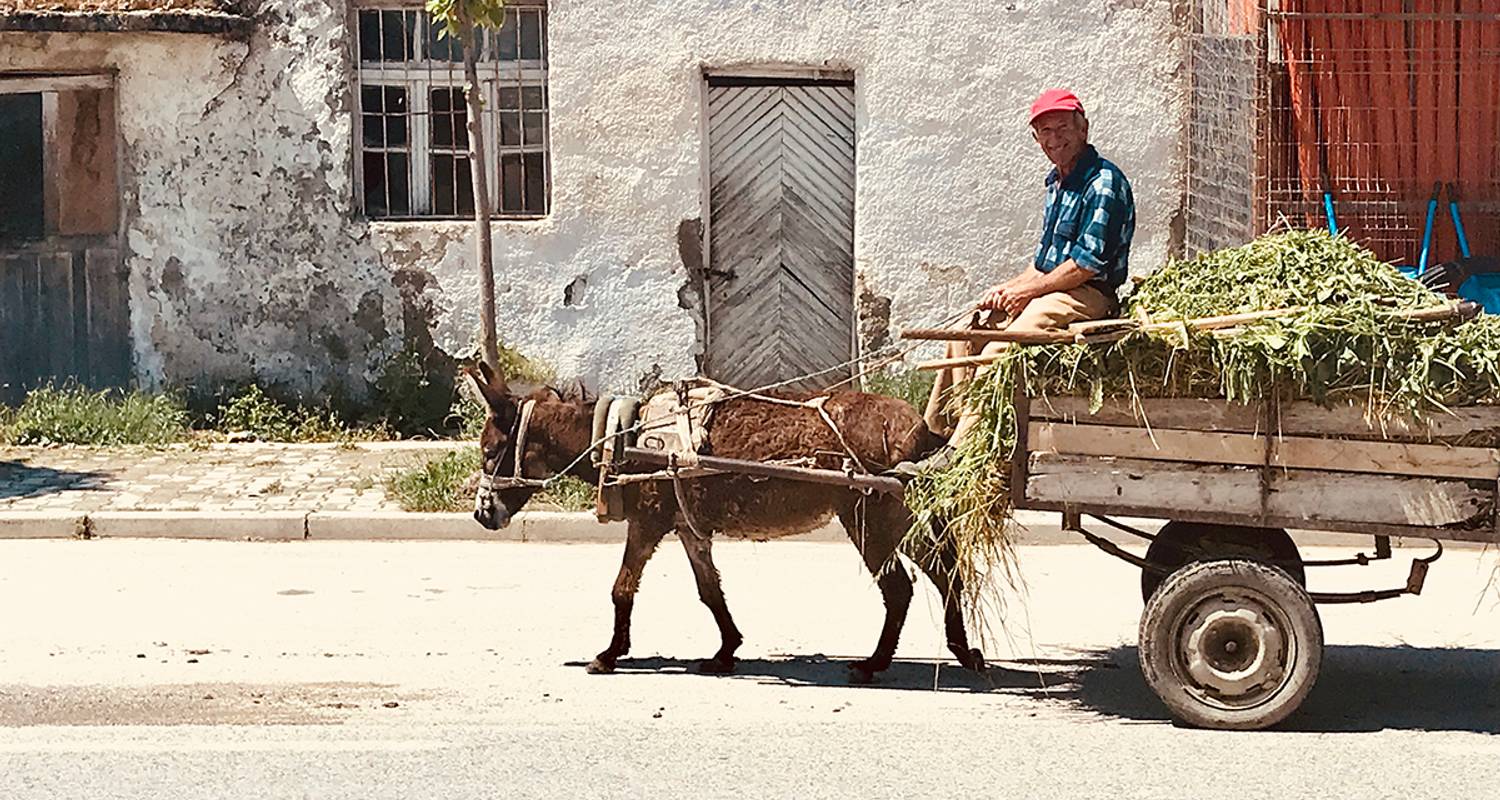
[1230, 636]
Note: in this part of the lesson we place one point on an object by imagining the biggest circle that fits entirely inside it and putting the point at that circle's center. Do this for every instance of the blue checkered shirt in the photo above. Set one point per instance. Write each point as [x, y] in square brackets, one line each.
[1090, 218]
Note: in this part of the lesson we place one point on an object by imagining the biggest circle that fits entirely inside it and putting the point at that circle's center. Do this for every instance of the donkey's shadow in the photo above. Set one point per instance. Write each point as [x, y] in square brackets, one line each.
[1024, 677]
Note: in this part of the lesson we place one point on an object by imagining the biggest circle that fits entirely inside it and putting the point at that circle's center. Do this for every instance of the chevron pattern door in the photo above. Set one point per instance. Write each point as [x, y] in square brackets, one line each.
[781, 231]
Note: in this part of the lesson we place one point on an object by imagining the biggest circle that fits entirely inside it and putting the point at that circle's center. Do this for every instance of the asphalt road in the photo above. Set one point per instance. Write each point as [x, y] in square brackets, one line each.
[169, 669]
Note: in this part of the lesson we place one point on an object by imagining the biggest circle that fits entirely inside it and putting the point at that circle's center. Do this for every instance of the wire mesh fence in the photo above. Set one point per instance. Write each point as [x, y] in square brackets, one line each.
[1373, 109]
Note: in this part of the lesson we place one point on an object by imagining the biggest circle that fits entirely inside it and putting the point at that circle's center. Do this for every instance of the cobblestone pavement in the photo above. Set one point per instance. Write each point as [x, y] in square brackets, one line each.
[222, 477]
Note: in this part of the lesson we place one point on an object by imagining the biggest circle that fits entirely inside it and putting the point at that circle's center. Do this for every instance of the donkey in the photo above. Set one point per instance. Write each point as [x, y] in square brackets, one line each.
[880, 431]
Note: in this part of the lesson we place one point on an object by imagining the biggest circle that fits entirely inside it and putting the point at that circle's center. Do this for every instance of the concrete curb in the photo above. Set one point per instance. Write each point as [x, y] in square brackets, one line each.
[233, 525]
[42, 524]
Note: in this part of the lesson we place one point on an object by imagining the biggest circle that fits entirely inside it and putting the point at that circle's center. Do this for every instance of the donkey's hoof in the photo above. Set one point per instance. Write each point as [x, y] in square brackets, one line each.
[601, 666]
[861, 674]
[716, 666]
[970, 659]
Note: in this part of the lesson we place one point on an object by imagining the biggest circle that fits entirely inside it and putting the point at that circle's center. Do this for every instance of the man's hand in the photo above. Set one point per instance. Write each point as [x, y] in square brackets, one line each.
[1011, 296]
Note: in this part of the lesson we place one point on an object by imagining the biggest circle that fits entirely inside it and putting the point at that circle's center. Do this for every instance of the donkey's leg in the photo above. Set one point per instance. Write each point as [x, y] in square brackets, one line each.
[940, 563]
[640, 542]
[875, 531]
[711, 592]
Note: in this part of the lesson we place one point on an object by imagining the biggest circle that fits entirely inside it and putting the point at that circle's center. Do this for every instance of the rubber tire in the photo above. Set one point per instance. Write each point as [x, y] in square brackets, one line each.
[1185, 588]
[1180, 543]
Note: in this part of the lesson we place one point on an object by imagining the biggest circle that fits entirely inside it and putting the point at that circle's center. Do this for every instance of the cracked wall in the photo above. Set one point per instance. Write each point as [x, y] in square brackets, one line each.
[245, 257]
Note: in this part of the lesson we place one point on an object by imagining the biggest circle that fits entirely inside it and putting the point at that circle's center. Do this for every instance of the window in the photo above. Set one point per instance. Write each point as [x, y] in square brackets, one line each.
[413, 133]
[57, 157]
[21, 166]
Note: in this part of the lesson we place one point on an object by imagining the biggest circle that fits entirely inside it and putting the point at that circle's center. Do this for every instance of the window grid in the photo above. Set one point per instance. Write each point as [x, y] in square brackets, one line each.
[401, 55]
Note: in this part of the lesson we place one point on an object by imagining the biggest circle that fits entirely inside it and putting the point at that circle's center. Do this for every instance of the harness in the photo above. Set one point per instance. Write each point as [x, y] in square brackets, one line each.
[496, 481]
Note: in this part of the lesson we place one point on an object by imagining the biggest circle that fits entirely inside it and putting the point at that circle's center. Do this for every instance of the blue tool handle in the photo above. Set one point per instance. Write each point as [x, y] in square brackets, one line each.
[1427, 233]
[1333, 226]
[1458, 221]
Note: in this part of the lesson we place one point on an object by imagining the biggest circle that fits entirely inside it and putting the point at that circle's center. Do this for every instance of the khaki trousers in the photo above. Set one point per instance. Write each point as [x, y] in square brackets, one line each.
[1050, 312]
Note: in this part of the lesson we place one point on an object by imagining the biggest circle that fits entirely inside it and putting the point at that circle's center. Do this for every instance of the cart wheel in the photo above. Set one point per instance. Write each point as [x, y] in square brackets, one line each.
[1180, 543]
[1232, 644]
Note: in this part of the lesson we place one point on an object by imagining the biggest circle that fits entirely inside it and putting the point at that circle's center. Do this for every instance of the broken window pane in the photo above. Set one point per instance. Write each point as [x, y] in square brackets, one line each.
[449, 118]
[387, 187]
[452, 186]
[21, 171]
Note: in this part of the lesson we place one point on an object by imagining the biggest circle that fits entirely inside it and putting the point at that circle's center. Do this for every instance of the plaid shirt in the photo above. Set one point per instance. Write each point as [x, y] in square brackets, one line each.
[1090, 218]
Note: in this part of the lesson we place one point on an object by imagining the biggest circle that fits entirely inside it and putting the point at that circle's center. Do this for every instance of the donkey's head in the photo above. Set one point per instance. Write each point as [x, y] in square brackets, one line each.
[513, 461]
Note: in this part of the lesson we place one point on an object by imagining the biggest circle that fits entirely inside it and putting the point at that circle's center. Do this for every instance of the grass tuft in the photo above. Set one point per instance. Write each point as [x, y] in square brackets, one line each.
[73, 414]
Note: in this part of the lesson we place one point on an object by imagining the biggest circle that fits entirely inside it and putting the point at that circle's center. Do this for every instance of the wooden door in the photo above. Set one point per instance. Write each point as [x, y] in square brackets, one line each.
[781, 231]
[64, 302]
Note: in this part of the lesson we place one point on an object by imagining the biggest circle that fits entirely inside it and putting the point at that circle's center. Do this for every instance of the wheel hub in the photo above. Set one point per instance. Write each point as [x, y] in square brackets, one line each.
[1234, 649]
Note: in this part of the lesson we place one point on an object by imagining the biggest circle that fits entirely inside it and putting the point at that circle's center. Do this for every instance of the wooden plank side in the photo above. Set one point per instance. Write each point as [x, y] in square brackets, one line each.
[1390, 458]
[1165, 487]
[1183, 414]
[1295, 498]
[1287, 452]
[1301, 418]
[1343, 497]
[1203, 447]
[1351, 420]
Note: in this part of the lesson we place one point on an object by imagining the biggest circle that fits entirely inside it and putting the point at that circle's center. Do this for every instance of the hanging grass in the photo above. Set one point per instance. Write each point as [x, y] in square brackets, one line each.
[1345, 345]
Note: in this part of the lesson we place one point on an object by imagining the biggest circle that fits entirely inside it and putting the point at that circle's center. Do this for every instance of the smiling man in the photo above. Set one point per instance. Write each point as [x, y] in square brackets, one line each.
[1081, 261]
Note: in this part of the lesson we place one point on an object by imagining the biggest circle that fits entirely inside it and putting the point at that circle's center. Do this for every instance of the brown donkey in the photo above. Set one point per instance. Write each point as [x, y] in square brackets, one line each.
[881, 431]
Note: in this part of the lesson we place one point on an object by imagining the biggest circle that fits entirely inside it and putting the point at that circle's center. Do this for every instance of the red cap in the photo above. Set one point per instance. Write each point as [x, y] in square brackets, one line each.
[1055, 100]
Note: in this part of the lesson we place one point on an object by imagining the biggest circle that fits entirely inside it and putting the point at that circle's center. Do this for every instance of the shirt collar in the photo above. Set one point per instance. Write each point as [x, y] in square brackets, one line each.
[1085, 167]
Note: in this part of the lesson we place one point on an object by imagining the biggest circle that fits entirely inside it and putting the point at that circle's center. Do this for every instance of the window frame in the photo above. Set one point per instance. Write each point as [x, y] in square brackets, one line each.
[419, 76]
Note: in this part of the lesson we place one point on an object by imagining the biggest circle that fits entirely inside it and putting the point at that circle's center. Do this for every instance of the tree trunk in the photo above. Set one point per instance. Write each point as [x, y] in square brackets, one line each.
[479, 170]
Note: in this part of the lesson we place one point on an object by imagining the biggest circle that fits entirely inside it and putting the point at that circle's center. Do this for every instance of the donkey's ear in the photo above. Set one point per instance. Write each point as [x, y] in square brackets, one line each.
[481, 390]
[493, 380]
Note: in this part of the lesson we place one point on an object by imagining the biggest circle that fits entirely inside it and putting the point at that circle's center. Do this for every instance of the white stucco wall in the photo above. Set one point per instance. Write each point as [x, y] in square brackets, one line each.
[248, 258]
[949, 180]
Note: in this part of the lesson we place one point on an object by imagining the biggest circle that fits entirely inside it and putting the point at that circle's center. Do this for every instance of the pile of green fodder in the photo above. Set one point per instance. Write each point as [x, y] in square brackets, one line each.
[1348, 344]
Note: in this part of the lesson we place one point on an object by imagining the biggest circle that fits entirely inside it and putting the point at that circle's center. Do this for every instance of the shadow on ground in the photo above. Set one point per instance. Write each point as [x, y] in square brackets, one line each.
[1360, 688]
[19, 480]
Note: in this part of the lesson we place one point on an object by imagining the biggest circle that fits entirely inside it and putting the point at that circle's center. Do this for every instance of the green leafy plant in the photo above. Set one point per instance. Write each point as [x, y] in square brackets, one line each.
[911, 385]
[73, 414]
[270, 420]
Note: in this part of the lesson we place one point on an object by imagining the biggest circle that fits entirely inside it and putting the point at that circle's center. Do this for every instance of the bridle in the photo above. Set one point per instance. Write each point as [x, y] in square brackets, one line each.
[495, 481]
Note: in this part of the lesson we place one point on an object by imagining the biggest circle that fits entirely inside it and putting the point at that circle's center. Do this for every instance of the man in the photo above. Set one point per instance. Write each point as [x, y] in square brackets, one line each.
[1080, 264]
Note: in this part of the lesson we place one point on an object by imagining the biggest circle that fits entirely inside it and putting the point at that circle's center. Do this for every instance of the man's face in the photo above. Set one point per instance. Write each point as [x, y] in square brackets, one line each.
[1062, 135]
